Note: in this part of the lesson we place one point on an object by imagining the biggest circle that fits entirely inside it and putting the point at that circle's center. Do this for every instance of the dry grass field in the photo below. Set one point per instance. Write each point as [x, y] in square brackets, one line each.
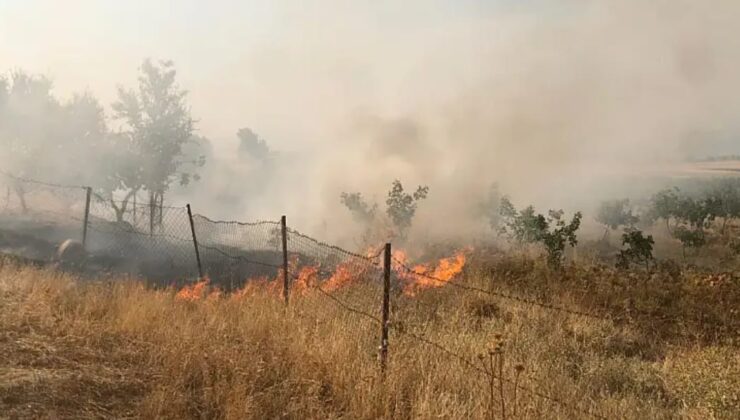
[117, 349]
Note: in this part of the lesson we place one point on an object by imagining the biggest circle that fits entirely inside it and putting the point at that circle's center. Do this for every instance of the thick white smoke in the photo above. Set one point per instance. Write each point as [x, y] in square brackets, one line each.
[560, 102]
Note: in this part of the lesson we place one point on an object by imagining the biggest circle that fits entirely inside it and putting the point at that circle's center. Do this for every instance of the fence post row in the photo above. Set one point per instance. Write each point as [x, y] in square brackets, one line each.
[284, 234]
[386, 307]
[195, 242]
[88, 193]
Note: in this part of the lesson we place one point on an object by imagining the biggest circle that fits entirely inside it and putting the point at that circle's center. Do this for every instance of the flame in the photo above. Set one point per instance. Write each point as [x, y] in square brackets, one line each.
[342, 276]
[426, 276]
[413, 279]
[193, 292]
[256, 285]
[307, 277]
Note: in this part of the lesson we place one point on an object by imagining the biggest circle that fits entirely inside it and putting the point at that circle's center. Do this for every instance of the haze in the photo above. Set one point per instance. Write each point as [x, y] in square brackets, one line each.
[554, 100]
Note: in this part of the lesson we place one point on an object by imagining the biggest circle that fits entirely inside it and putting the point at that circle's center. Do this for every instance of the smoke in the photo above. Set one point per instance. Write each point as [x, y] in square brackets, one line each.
[562, 103]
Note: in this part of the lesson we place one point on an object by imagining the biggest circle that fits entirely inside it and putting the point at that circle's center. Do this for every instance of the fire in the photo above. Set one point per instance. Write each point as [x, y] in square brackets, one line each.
[413, 279]
[342, 277]
[426, 276]
[307, 277]
[256, 285]
[193, 292]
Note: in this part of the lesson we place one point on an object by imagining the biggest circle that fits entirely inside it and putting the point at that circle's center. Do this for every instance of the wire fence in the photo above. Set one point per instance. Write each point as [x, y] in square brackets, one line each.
[171, 245]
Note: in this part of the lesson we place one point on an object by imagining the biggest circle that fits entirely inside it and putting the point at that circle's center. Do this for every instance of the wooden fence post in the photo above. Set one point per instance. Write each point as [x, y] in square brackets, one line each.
[284, 231]
[386, 307]
[86, 219]
[195, 242]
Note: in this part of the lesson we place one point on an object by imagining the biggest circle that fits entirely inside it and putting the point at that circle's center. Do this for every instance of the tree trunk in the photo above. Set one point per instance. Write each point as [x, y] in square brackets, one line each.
[120, 212]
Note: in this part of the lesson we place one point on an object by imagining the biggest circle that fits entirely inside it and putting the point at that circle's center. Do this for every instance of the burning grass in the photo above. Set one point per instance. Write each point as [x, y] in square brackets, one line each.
[118, 349]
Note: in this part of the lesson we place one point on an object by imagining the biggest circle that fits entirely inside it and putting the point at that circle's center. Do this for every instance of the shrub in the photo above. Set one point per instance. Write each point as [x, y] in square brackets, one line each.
[615, 213]
[639, 249]
[527, 226]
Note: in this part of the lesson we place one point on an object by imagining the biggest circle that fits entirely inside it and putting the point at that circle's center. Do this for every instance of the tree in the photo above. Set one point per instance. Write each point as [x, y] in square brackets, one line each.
[360, 209]
[615, 213]
[689, 238]
[401, 206]
[251, 144]
[639, 249]
[527, 226]
[29, 119]
[83, 135]
[691, 215]
[725, 197]
[400, 209]
[556, 239]
[156, 125]
[665, 205]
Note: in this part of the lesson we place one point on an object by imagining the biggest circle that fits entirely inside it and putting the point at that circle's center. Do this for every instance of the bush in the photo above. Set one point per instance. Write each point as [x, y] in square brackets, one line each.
[615, 213]
[552, 231]
[639, 250]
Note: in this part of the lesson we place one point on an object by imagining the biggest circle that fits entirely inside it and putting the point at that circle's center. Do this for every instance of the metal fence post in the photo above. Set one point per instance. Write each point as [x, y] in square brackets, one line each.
[86, 219]
[195, 242]
[386, 307]
[284, 231]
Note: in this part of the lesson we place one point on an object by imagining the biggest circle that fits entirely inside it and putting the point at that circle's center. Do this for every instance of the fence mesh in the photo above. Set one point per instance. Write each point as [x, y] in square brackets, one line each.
[36, 216]
[232, 253]
[154, 243]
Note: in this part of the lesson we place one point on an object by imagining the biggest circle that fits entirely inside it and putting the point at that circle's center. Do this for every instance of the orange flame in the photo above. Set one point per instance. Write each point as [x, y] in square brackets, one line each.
[307, 277]
[421, 277]
[193, 292]
[342, 277]
[426, 276]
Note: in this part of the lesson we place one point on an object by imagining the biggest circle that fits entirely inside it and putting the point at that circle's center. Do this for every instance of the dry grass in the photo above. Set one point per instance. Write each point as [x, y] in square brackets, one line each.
[88, 350]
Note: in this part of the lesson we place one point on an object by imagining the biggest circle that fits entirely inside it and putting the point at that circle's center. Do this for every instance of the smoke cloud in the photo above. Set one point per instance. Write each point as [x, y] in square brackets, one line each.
[562, 103]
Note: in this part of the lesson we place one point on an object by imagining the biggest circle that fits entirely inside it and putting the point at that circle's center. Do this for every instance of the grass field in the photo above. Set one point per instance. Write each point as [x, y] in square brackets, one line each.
[116, 349]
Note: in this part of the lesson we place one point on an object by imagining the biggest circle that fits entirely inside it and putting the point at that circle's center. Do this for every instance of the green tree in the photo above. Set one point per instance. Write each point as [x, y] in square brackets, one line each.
[665, 205]
[690, 215]
[401, 206]
[725, 197]
[639, 249]
[615, 213]
[553, 232]
[156, 125]
[555, 239]
[690, 238]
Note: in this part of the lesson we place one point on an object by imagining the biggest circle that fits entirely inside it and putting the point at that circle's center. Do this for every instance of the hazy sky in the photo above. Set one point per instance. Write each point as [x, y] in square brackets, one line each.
[277, 66]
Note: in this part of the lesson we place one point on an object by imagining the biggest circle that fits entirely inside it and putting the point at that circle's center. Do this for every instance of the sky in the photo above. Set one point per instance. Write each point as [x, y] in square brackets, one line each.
[283, 67]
